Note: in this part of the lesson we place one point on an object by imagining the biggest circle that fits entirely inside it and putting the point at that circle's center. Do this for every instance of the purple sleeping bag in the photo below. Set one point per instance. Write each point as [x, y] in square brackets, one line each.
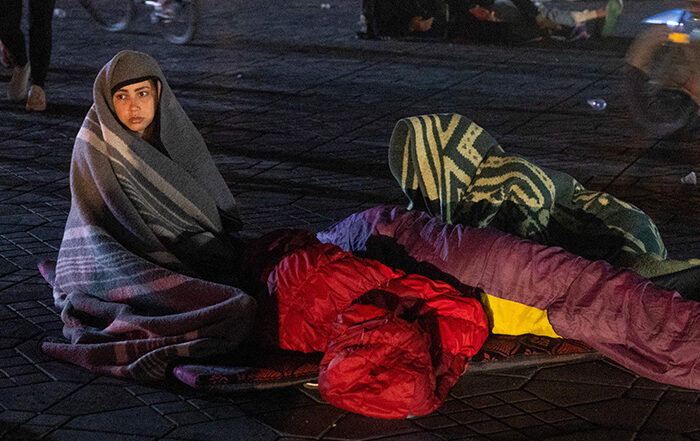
[648, 329]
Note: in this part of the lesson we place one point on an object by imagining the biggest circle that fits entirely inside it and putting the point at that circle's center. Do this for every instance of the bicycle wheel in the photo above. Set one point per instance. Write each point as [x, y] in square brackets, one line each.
[112, 15]
[179, 20]
[655, 76]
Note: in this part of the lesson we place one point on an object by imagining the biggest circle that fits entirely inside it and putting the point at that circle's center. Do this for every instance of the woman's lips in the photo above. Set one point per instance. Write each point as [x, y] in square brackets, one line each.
[136, 120]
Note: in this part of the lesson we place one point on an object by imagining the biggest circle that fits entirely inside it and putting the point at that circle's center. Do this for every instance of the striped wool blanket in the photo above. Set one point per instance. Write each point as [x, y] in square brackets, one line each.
[145, 270]
[453, 169]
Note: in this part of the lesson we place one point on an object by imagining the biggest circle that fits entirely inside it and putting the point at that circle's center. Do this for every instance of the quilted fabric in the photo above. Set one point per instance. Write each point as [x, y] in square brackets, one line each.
[394, 343]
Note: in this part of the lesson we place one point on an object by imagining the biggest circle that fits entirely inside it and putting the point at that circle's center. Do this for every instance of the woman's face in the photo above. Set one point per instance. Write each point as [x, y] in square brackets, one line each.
[135, 105]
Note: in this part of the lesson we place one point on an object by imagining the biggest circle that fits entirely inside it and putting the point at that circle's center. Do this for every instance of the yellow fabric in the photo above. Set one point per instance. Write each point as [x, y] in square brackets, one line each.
[511, 318]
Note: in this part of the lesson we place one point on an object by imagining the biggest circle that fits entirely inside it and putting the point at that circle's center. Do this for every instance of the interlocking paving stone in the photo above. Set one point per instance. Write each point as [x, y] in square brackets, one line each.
[186, 418]
[482, 401]
[596, 372]
[18, 287]
[84, 435]
[28, 432]
[410, 437]
[6, 343]
[94, 399]
[32, 312]
[434, 422]
[451, 406]
[482, 384]
[35, 397]
[113, 381]
[562, 393]
[675, 417]
[135, 421]
[22, 369]
[266, 402]
[141, 389]
[6, 267]
[644, 394]
[173, 407]
[457, 433]
[509, 435]
[46, 419]
[622, 413]
[661, 436]
[10, 416]
[286, 438]
[486, 427]
[61, 371]
[471, 416]
[158, 397]
[502, 411]
[682, 395]
[554, 415]
[45, 321]
[520, 421]
[31, 379]
[515, 396]
[596, 435]
[243, 428]
[355, 426]
[541, 431]
[305, 421]
[9, 358]
[222, 412]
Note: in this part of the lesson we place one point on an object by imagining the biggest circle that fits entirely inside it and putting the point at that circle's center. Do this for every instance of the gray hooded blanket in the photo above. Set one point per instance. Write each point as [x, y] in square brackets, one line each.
[145, 268]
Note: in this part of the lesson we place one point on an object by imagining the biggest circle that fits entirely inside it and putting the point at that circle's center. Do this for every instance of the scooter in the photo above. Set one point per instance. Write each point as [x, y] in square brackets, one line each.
[663, 72]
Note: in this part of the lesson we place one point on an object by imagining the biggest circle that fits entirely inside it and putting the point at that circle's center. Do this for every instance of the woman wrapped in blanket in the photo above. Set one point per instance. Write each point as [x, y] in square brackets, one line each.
[148, 262]
[146, 271]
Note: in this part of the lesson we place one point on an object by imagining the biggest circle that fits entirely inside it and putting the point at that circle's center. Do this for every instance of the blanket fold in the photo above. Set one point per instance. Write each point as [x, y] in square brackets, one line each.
[145, 268]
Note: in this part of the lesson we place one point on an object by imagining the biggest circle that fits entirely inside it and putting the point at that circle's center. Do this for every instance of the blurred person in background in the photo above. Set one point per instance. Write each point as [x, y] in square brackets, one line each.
[29, 69]
[525, 19]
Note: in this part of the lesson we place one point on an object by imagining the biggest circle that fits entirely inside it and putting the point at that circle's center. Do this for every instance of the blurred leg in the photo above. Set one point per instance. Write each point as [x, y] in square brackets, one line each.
[40, 17]
[10, 32]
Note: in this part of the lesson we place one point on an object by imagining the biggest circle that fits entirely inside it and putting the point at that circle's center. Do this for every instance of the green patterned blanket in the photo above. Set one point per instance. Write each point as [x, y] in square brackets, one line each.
[453, 169]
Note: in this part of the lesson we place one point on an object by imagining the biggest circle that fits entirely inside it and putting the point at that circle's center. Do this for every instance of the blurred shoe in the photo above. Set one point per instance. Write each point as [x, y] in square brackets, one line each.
[6, 57]
[595, 27]
[547, 26]
[18, 87]
[37, 99]
[579, 32]
[613, 11]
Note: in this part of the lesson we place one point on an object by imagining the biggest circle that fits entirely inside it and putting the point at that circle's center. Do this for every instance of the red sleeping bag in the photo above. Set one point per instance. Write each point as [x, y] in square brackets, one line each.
[394, 343]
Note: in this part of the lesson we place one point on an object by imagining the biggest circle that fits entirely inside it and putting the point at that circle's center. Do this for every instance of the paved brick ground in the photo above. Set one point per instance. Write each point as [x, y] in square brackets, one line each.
[298, 113]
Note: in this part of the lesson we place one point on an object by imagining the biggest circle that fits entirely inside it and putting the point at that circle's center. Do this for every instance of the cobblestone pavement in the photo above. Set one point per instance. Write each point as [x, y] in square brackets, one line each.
[298, 113]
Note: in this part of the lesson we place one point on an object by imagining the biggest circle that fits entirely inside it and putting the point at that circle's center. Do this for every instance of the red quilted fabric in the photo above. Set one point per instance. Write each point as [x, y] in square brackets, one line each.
[394, 343]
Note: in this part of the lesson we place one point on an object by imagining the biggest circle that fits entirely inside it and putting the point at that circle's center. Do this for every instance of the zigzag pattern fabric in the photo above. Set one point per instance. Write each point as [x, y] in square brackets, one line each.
[453, 169]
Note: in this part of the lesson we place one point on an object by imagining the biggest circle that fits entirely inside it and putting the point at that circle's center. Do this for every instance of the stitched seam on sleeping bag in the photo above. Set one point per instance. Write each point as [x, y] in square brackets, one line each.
[323, 259]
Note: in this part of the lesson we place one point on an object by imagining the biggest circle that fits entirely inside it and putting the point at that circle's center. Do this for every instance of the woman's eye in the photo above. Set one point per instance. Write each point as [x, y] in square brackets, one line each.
[144, 93]
[121, 97]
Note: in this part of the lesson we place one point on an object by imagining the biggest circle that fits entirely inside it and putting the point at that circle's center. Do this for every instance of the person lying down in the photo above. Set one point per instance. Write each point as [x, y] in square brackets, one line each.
[150, 271]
